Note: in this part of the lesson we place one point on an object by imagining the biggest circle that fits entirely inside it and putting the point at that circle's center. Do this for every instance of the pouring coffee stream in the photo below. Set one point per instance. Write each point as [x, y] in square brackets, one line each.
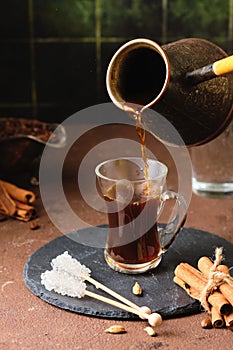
[189, 82]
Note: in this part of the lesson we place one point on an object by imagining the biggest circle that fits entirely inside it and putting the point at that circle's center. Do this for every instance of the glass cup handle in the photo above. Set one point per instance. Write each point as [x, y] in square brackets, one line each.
[168, 231]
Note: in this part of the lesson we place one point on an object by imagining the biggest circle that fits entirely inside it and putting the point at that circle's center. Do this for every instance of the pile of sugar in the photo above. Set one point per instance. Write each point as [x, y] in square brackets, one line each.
[66, 277]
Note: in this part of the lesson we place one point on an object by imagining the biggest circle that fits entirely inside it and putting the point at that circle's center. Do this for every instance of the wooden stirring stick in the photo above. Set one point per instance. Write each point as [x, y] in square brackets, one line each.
[64, 280]
[154, 319]
[117, 296]
[68, 264]
[67, 278]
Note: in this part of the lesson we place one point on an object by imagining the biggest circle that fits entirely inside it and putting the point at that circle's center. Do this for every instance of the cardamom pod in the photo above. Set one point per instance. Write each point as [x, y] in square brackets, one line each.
[150, 331]
[115, 329]
[137, 289]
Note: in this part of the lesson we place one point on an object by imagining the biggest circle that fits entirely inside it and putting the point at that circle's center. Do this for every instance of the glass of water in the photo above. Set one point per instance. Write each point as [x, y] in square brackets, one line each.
[213, 166]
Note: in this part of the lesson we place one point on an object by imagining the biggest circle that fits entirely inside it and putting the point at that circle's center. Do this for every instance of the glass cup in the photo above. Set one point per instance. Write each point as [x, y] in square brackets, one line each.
[136, 239]
[213, 166]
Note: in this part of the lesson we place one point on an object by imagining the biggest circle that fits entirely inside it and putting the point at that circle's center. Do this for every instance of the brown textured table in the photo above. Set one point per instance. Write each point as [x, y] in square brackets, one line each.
[27, 322]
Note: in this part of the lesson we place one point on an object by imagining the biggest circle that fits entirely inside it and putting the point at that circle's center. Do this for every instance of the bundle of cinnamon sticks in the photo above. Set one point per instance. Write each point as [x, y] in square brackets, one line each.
[217, 300]
[16, 202]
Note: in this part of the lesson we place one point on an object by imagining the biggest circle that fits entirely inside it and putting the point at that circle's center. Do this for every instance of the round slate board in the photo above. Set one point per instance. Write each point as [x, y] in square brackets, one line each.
[160, 293]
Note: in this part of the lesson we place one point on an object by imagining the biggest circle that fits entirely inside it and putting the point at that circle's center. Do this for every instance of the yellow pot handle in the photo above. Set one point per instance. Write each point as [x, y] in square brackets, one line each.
[223, 66]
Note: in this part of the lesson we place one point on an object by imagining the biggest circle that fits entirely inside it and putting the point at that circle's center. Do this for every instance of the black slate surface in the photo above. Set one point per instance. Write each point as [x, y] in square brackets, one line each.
[160, 293]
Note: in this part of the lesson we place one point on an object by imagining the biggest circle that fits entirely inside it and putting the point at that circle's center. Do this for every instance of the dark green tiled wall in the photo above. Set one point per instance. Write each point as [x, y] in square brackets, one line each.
[207, 19]
[55, 53]
[64, 18]
[65, 72]
[14, 20]
[131, 18]
[15, 81]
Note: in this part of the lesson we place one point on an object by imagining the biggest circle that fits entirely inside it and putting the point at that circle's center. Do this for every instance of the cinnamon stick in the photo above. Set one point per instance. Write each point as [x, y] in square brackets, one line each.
[196, 281]
[229, 320]
[24, 211]
[191, 276]
[212, 285]
[221, 304]
[223, 268]
[16, 202]
[227, 291]
[29, 208]
[216, 318]
[17, 193]
[205, 265]
[7, 205]
[189, 289]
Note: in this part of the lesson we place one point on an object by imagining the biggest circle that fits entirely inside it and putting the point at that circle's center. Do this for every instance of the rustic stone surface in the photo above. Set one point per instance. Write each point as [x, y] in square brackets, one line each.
[159, 291]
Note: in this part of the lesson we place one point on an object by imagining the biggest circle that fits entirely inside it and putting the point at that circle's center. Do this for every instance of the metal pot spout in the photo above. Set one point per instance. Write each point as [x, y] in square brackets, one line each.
[176, 81]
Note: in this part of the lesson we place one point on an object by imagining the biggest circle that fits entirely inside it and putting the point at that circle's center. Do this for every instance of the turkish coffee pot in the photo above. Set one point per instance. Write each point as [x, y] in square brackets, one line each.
[189, 82]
